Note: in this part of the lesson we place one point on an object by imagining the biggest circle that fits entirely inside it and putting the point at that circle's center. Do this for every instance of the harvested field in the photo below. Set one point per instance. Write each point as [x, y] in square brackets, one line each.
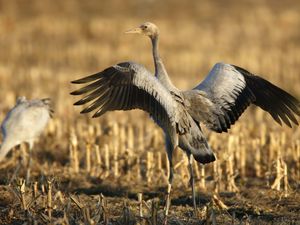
[113, 169]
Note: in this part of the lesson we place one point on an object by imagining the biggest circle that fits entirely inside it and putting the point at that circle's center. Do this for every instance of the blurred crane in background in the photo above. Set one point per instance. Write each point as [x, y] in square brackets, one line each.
[24, 123]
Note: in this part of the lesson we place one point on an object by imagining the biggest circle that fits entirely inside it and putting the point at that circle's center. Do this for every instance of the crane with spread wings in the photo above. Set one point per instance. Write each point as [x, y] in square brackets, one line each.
[217, 102]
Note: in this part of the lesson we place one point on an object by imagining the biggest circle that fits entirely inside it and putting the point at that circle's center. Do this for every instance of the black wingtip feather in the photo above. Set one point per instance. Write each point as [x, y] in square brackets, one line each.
[87, 79]
[75, 93]
[280, 104]
[80, 102]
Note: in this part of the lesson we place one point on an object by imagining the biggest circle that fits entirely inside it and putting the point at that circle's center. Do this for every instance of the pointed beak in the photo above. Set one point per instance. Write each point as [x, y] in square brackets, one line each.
[137, 30]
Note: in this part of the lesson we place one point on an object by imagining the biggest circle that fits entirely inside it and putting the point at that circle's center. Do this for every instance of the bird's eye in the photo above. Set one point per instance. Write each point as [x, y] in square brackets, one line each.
[145, 27]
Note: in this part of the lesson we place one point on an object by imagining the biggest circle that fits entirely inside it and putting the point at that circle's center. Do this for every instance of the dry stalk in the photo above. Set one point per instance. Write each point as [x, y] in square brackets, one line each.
[149, 166]
[279, 175]
[159, 163]
[155, 139]
[126, 163]
[230, 176]
[71, 157]
[88, 157]
[51, 128]
[104, 209]
[130, 137]
[184, 169]
[122, 138]
[116, 130]
[98, 130]
[84, 210]
[138, 170]
[285, 180]
[141, 146]
[179, 164]
[74, 152]
[217, 201]
[91, 134]
[58, 129]
[126, 213]
[87, 216]
[60, 197]
[76, 201]
[273, 148]
[22, 189]
[49, 199]
[298, 159]
[242, 161]
[263, 135]
[154, 210]
[115, 142]
[140, 200]
[231, 186]
[106, 158]
[43, 195]
[257, 161]
[98, 158]
[35, 189]
[283, 140]
[217, 176]
[116, 162]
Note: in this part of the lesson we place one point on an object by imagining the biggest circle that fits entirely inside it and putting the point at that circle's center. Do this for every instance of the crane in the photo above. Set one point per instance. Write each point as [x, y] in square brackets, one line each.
[217, 102]
[24, 123]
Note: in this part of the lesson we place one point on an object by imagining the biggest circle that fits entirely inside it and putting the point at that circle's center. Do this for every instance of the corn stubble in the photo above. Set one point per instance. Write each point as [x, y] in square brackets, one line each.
[113, 170]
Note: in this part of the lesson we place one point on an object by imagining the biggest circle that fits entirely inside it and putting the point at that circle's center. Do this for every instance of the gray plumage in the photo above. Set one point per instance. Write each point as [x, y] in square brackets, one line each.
[228, 90]
[217, 102]
[24, 123]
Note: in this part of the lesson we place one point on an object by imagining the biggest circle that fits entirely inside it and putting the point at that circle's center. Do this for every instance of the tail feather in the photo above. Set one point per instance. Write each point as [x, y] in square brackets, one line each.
[196, 144]
[199, 147]
[203, 154]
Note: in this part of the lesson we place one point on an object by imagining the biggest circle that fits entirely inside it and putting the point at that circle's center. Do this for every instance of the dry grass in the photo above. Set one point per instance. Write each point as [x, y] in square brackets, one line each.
[92, 171]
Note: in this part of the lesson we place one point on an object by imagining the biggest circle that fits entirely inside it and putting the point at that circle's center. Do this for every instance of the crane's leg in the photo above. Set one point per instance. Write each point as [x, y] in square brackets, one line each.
[170, 181]
[20, 162]
[29, 163]
[192, 180]
[170, 150]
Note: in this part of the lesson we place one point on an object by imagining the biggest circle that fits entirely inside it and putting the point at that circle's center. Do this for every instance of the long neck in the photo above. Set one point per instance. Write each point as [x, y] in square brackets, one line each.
[160, 70]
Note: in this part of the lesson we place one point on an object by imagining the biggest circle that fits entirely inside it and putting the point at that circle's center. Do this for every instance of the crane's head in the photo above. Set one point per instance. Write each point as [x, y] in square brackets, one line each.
[147, 28]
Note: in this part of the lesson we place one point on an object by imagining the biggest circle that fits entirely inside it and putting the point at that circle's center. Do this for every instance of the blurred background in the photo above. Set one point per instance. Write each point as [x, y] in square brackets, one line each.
[46, 44]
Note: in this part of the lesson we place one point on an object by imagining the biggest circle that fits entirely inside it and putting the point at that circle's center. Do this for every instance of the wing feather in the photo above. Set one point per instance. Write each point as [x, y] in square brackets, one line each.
[127, 86]
[228, 90]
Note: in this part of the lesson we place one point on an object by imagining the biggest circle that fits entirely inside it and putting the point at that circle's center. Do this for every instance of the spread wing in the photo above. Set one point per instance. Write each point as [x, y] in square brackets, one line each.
[127, 86]
[228, 90]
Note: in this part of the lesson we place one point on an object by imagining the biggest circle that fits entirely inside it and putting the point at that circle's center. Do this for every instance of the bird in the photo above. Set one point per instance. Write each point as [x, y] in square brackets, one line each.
[25, 122]
[216, 102]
